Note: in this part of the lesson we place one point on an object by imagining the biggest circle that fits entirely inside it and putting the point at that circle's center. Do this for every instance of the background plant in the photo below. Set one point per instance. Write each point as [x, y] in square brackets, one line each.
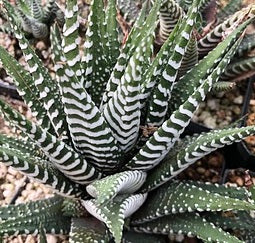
[87, 143]
[34, 19]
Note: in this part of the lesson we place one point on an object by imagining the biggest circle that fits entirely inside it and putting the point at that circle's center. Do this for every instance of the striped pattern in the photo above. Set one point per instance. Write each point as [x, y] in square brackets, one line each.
[239, 70]
[36, 19]
[154, 71]
[122, 206]
[190, 58]
[36, 10]
[48, 10]
[208, 42]
[169, 14]
[90, 133]
[30, 217]
[182, 197]
[49, 92]
[120, 183]
[62, 156]
[39, 30]
[26, 88]
[192, 152]
[71, 40]
[162, 93]
[189, 82]
[41, 171]
[141, 29]
[174, 167]
[122, 112]
[166, 136]
[190, 224]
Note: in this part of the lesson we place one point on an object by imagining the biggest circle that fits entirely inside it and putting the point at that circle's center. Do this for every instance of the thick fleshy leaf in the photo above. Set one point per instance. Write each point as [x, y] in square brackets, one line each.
[188, 224]
[191, 151]
[162, 92]
[26, 88]
[71, 40]
[141, 29]
[112, 33]
[120, 183]
[169, 14]
[96, 69]
[209, 41]
[114, 212]
[167, 135]
[62, 156]
[179, 197]
[122, 112]
[240, 69]
[49, 92]
[189, 82]
[190, 58]
[88, 230]
[28, 218]
[40, 170]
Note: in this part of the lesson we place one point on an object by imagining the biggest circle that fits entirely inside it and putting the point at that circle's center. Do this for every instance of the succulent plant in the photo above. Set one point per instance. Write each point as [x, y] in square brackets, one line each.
[108, 128]
[35, 20]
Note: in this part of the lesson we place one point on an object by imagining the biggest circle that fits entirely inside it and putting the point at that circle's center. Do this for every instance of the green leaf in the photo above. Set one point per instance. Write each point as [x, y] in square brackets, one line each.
[122, 112]
[114, 212]
[162, 92]
[141, 29]
[88, 230]
[97, 72]
[189, 82]
[210, 41]
[42, 235]
[188, 224]
[240, 69]
[62, 156]
[175, 162]
[28, 218]
[120, 183]
[70, 43]
[40, 170]
[49, 92]
[169, 14]
[26, 88]
[180, 197]
[190, 58]
[112, 33]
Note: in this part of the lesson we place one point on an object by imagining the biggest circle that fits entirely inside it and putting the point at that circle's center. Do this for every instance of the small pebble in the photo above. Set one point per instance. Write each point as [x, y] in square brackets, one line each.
[238, 100]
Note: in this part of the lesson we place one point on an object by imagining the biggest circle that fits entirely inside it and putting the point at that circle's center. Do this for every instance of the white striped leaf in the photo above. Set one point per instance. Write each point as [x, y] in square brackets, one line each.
[162, 92]
[114, 212]
[72, 164]
[106, 189]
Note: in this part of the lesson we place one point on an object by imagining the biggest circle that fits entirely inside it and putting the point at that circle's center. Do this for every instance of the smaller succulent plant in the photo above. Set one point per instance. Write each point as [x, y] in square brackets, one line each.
[35, 19]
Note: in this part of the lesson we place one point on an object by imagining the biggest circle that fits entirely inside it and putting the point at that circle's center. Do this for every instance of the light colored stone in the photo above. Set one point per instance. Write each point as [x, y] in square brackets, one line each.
[51, 238]
[238, 100]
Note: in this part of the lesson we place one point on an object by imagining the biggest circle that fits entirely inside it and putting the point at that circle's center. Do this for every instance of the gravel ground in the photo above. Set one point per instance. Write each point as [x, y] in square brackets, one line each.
[220, 110]
[250, 141]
